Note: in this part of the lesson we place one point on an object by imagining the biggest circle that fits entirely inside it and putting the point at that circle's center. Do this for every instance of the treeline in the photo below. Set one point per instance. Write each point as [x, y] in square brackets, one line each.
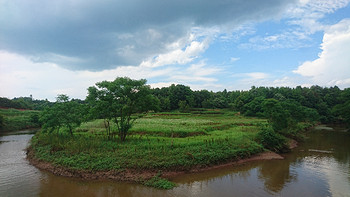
[324, 104]
[26, 103]
[23, 112]
[315, 103]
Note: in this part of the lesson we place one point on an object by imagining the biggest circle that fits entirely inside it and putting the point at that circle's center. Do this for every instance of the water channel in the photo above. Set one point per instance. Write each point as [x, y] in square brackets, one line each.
[318, 167]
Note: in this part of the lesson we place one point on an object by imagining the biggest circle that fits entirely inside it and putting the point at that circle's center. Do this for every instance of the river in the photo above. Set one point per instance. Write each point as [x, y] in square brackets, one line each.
[318, 167]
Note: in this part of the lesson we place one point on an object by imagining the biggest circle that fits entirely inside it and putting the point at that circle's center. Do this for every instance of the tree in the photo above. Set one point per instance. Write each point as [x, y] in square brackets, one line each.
[118, 100]
[2, 121]
[342, 111]
[254, 108]
[183, 106]
[179, 93]
[64, 113]
[277, 116]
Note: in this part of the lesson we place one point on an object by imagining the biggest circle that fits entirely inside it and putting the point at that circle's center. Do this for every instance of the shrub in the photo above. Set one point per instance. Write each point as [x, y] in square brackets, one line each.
[159, 183]
[272, 140]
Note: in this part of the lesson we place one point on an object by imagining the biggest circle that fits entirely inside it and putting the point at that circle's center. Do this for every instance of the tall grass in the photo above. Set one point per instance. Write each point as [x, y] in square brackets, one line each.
[156, 142]
[19, 119]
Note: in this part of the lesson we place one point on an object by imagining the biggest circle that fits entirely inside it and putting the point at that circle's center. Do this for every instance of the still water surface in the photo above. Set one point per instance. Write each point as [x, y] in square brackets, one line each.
[318, 167]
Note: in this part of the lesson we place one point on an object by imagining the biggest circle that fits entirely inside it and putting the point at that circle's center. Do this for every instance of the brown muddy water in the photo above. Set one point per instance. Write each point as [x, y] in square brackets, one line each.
[318, 167]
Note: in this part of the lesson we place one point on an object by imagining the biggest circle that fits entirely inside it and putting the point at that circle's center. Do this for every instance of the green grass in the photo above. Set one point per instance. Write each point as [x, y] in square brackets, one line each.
[15, 120]
[159, 183]
[157, 142]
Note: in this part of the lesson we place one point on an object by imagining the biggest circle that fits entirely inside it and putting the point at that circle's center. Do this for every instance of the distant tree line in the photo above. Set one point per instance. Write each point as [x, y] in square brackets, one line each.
[27, 103]
[314, 103]
[117, 101]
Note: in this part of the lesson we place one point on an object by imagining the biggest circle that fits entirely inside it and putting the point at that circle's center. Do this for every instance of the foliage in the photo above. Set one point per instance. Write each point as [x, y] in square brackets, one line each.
[23, 103]
[14, 119]
[277, 116]
[64, 113]
[118, 100]
[307, 104]
[183, 106]
[2, 121]
[272, 140]
[228, 138]
[160, 183]
[342, 110]
[178, 93]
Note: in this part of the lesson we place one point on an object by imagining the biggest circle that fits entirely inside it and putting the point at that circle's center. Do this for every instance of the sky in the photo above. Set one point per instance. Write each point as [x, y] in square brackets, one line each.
[65, 46]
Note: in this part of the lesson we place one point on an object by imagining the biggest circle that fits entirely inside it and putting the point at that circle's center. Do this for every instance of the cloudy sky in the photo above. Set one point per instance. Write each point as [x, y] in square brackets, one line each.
[64, 46]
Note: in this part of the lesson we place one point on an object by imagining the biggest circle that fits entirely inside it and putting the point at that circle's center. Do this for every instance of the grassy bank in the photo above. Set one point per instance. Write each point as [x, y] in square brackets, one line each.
[157, 142]
[14, 119]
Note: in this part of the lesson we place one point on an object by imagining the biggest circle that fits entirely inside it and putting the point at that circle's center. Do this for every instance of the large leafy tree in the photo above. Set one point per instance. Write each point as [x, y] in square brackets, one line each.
[179, 93]
[119, 100]
[278, 117]
[342, 110]
[64, 113]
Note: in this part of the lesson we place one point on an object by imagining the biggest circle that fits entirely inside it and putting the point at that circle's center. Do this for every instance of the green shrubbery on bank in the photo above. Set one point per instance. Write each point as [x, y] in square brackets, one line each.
[14, 120]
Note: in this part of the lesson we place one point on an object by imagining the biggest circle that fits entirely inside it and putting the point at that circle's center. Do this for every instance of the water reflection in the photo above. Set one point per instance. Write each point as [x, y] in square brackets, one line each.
[319, 167]
[277, 176]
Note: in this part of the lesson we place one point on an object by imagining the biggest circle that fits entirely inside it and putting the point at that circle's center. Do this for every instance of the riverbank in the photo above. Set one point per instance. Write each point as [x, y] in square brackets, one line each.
[136, 176]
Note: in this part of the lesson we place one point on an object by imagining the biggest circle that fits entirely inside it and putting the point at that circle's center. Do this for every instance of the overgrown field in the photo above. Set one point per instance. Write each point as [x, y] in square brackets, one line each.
[14, 119]
[159, 141]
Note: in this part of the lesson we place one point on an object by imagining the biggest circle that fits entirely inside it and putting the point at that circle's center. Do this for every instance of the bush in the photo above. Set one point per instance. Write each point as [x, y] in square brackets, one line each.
[272, 140]
[159, 183]
[2, 121]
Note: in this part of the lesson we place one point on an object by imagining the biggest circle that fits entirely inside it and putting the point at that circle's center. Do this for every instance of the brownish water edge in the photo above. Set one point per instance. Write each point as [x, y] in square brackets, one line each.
[318, 167]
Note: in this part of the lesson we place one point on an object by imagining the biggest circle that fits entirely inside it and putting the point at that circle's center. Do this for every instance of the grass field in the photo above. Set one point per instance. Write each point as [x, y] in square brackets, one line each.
[15, 119]
[157, 142]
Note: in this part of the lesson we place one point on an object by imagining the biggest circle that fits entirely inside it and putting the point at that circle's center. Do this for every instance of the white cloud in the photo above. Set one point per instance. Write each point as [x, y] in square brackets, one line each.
[332, 67]
[196, 73]
[234, 59]
[304, 19]
[23, 77]
[117, 33]
[178, 55]
[162, 84]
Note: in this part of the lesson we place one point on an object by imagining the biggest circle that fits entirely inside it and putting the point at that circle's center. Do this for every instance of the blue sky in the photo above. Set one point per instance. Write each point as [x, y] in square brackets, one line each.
[63, 47]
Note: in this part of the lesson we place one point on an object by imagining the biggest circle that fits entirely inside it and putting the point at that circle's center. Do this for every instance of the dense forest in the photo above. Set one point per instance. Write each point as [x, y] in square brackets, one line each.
[315, 103]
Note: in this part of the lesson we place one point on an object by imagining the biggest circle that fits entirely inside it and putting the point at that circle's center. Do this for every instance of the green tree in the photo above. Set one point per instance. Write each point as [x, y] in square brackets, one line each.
[64, 113]
[2, 121]
[120, 99]
[183, 106]
[179, 93]
[277, 116]
[342, 111]
[254, 108]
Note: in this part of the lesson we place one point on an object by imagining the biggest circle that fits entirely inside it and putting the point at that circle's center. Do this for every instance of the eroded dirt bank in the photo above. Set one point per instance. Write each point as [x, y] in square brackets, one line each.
[131, 175]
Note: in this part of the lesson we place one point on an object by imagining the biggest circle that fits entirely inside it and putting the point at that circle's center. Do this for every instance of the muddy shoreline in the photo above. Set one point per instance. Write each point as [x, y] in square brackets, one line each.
[136, 176]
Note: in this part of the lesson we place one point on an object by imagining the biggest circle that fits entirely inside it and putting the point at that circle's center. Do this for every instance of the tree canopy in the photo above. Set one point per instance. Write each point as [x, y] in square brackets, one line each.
[64, 113]
[118, 100]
